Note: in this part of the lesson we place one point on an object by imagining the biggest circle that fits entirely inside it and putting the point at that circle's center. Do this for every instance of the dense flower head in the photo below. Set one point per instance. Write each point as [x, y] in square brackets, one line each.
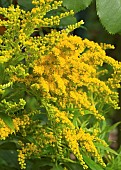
[19, 125]
[52, 86]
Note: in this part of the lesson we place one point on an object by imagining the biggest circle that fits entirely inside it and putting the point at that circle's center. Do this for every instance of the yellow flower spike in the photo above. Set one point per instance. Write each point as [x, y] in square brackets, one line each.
[71, 138]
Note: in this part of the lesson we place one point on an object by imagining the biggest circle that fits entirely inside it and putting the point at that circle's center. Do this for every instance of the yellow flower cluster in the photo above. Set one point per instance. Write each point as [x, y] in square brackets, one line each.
[26, 151]
[19, 125]
[68, 70]
[44, 142]
[4, 130]
[86, 141]
[5, 56]
[5, 86]
[67, 73]
[71, 138]
[76, 138]
[63, 75]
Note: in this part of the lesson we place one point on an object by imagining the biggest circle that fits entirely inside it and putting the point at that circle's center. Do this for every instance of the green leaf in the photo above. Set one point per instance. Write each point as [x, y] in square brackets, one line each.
[68, 21]
[8, 145]
[98, 145]
[74, 166]
[26, 5]
[42, 117]
[2, 162]
[8, 120]
[10, 159]
[5, 3]
[30, 139]
[2, 68]
[76, 5]
[110, 128]
[37, 163]
[109, 12]
[93, 165]
[57, 167]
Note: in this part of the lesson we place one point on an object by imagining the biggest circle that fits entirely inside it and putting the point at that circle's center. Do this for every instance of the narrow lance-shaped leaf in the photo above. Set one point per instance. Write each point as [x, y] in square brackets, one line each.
[91, 163]
[108, 149]
[110, 128]
[109, 12]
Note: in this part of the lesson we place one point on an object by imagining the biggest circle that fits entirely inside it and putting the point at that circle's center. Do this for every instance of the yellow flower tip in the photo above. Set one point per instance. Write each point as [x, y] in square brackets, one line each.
[85, 167]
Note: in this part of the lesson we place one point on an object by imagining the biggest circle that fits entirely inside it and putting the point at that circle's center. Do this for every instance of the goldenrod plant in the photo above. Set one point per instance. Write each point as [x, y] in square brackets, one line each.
[53, 97]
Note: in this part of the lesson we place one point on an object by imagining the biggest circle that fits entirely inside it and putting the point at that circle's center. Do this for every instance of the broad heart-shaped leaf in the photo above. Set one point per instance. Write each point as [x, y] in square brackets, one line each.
[109, 12]
[8, 120]
[76, 5]
[92, 165]
[26, 5]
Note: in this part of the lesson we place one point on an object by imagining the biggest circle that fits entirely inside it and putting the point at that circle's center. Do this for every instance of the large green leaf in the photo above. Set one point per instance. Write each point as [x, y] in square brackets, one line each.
[41, 163]
[2, 162]
[8, 145]
[5, 3]
[76, 5]
[109, 12]
[26, 5]
[8, 158]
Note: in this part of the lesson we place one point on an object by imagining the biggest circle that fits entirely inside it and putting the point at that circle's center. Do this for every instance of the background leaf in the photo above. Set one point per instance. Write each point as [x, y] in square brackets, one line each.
[41, 163]
[8, 145]
[76, 5]
[68, 21]
[5, 3]
[26, 5]
[8, 158]
[109, 12]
